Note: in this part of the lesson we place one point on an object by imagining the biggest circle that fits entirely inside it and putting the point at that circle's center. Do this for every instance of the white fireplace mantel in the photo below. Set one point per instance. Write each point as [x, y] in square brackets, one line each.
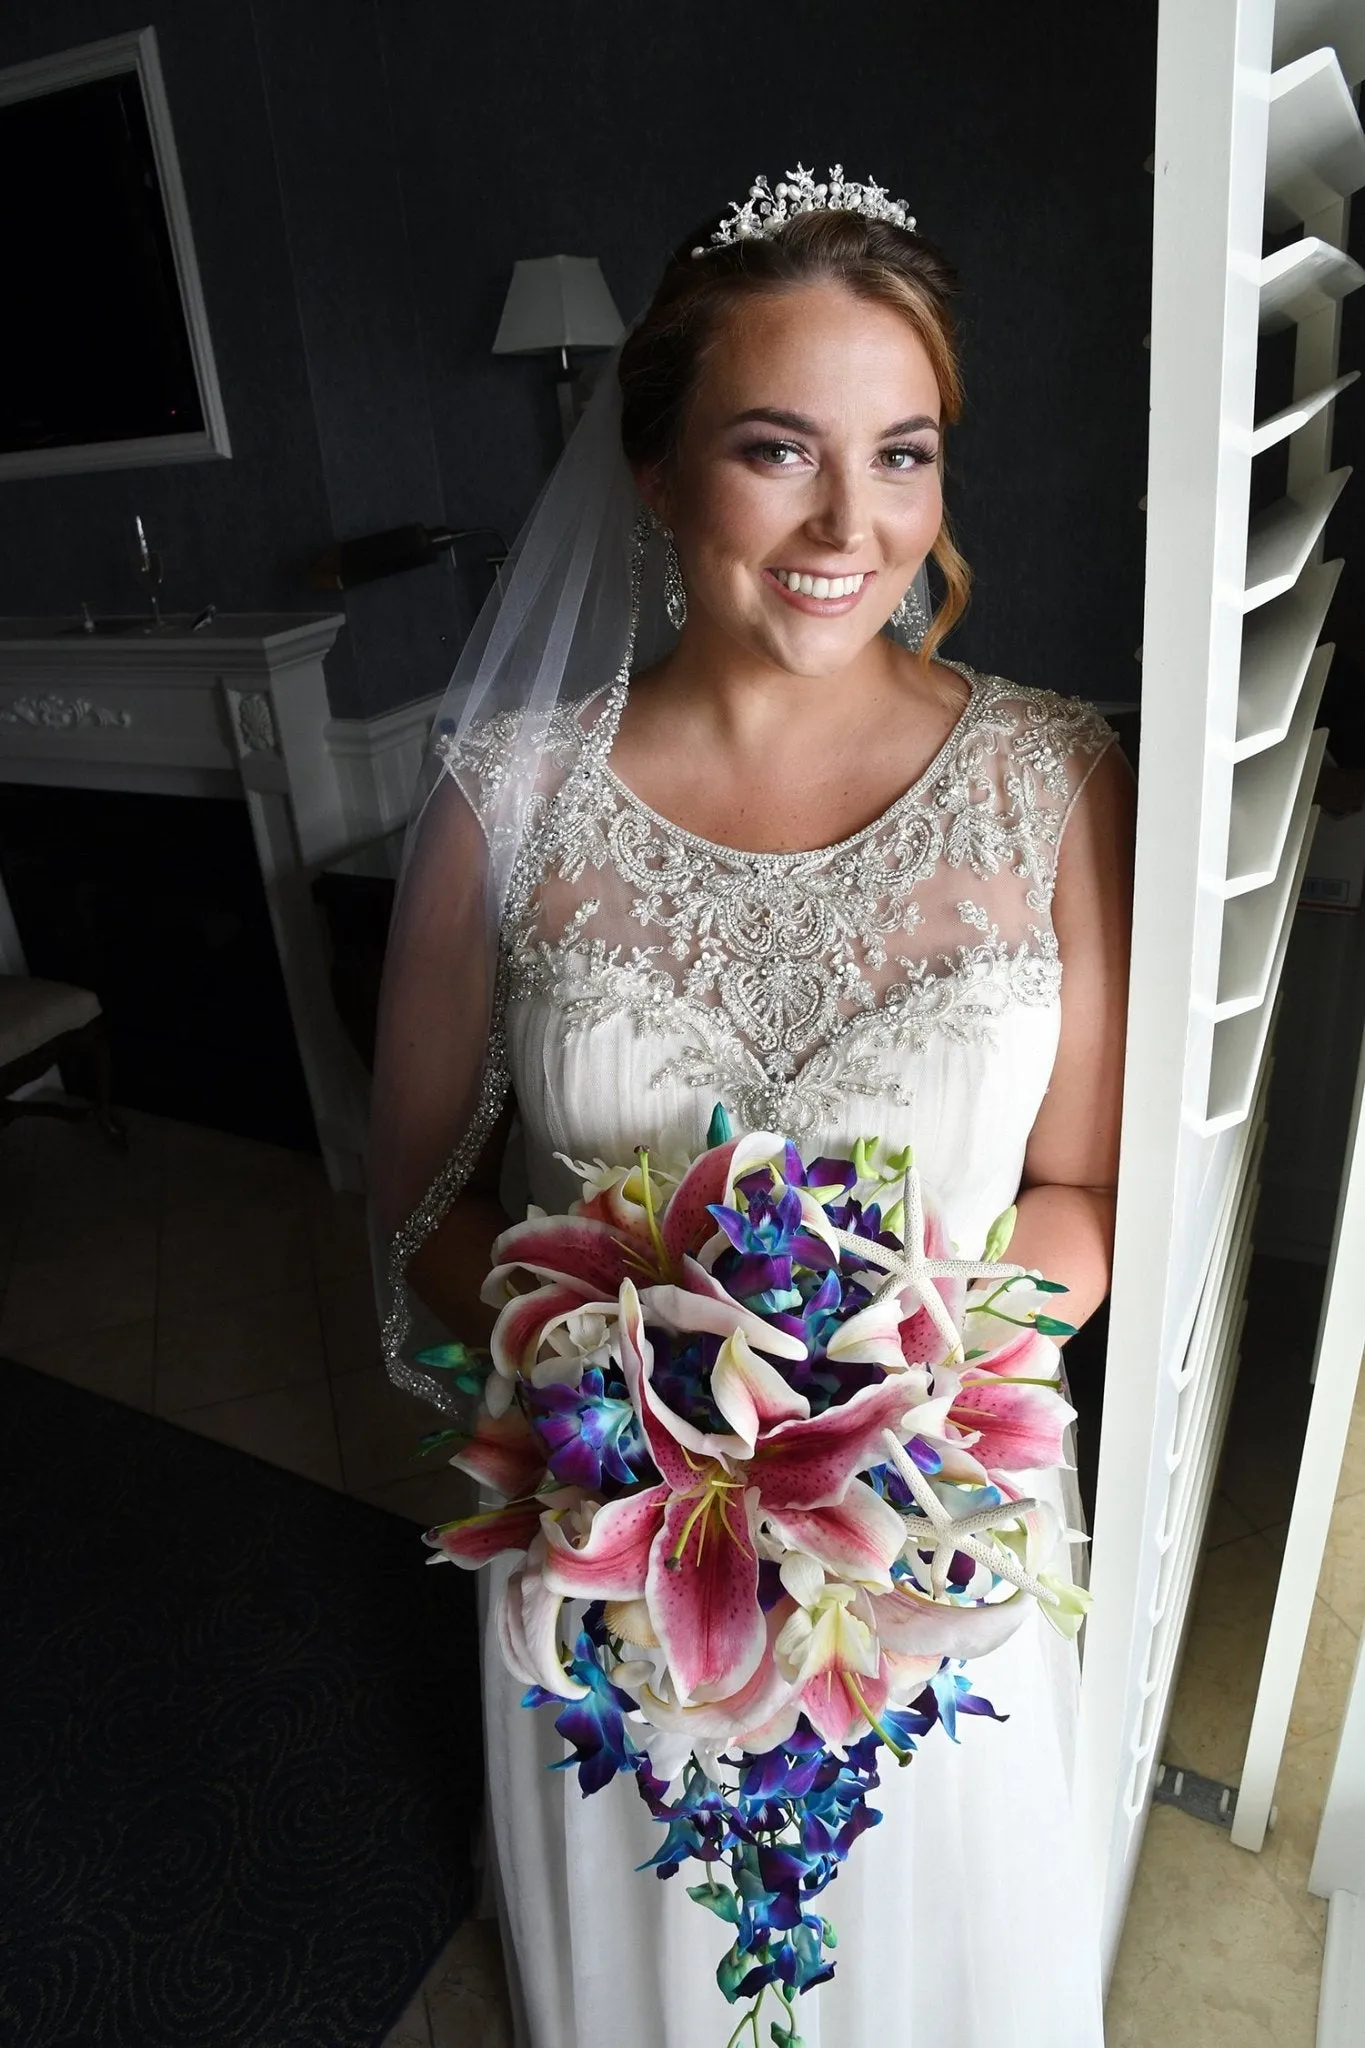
[239, 710]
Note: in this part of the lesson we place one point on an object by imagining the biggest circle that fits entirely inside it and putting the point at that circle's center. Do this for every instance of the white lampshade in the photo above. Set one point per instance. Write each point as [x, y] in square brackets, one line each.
[557, 302]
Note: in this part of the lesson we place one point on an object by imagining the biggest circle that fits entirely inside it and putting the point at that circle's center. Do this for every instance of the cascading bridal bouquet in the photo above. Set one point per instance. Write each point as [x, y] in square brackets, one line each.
[756, 1432]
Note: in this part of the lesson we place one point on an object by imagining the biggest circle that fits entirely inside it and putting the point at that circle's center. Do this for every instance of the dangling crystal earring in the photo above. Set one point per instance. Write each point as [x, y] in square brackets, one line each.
[910, 620]
[675, 591]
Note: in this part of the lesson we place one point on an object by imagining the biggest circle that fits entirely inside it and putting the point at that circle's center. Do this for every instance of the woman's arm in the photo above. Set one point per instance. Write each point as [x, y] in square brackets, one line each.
[447, 1271]
[1066, 1207]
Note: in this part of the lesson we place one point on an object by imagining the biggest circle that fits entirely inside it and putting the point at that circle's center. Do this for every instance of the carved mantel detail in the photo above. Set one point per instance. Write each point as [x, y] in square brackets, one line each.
[61, 714]
[256, 723]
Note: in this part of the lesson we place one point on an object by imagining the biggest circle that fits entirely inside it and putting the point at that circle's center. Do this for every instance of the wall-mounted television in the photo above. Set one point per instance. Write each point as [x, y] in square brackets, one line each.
[105, 358]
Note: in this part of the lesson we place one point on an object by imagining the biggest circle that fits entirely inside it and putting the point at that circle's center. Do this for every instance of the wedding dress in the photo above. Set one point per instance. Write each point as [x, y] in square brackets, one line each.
[904, 983]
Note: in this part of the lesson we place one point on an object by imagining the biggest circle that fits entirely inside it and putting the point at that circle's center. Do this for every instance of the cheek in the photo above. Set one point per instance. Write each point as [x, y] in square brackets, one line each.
[923, 514]
[732, 514]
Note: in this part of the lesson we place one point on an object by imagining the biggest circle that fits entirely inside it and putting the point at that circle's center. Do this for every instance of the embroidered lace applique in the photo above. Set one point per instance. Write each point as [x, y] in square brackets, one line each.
[788, 982]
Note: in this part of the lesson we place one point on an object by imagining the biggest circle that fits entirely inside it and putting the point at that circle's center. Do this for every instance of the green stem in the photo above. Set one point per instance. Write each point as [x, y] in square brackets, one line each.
[902, 1756]
[982, 1308]
[750, 2019]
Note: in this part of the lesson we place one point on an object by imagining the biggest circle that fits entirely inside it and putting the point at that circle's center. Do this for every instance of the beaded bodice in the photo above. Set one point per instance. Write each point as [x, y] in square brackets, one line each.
[786, 983]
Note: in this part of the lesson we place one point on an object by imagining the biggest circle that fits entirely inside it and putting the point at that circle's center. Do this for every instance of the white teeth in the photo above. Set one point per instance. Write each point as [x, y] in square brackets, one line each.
[819, 586]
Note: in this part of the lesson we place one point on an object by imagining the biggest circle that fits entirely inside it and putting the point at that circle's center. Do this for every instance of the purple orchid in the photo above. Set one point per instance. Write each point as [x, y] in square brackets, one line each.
[591, 1436]
[769, 1237]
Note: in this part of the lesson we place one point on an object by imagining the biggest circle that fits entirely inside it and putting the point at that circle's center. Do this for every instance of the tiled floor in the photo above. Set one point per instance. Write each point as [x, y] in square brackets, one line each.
[219, 1283]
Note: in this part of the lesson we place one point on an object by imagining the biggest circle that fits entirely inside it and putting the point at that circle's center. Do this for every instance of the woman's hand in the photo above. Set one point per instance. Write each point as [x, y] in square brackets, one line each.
[1066, 1208]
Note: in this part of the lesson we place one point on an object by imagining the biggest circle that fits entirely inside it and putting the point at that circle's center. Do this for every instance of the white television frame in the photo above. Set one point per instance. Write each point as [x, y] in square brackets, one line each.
[135, 52]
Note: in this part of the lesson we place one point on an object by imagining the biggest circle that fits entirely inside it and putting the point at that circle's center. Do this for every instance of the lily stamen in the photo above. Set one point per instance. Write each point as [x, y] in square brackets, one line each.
[651, 1220]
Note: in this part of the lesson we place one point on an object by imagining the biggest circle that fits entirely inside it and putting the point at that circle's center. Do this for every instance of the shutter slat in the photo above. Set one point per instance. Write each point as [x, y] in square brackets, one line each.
[1304, 25]
[1252, 924]
[1315, 151]
[1280, 425]
[1264, 790]
[1280, 539]
[1278, 642]
[1303, 279]
[1239, 1042]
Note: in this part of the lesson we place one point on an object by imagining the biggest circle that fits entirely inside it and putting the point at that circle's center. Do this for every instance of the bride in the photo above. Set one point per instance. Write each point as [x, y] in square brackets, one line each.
[807, 868]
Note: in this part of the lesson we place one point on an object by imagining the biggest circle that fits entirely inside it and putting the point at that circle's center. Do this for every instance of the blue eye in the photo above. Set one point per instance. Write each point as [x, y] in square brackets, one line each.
[766, 451]
[913, 457]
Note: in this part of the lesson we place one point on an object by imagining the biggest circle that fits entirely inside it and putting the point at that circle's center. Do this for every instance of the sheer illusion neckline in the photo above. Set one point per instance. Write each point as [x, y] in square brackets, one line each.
[976, 692]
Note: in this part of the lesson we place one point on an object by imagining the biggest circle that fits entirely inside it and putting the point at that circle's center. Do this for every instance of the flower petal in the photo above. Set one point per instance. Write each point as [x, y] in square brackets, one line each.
[828, 1703]
[687, 1221]
[871, 1337]
[503, 1454]
[764, 1700]
[912, 1625]
[703, 1595]
[527, 1620]
[857, 1538]
[521, 1324]
[1020, 1428]
[478, 1539]
[564, 1249]
[702, 1303]
[613, 1561]
[812, 1464]
[751, 1394]
[921, 1342]
[670, 1439]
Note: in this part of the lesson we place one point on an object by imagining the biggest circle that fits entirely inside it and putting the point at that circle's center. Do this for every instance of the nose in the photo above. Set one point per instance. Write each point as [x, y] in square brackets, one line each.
[840, 519]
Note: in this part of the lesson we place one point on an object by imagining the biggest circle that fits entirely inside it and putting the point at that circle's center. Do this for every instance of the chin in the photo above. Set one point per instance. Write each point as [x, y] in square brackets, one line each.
[813, 661]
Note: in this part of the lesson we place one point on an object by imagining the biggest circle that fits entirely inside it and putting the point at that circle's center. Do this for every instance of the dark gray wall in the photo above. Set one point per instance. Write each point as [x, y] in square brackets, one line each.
[362, 174]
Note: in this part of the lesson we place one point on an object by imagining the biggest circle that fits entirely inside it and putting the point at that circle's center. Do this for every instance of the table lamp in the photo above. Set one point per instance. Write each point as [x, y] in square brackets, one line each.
[555, 303]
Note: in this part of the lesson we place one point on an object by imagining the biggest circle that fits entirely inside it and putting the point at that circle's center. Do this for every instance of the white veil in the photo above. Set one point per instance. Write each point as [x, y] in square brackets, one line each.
[581, 601]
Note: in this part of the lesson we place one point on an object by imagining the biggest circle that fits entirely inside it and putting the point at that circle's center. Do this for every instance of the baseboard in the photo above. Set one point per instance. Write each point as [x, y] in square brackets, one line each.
[1341, 2001]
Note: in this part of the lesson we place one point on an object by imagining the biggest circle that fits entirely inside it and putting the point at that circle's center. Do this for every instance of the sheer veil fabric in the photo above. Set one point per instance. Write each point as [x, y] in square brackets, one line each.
[581, 604]
[561, 623]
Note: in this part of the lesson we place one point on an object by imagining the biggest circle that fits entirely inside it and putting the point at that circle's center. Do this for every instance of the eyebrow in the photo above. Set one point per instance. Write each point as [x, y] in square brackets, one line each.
[773, 416]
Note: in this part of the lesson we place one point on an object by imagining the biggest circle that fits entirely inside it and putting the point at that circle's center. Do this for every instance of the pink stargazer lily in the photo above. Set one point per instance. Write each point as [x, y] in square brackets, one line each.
[689, 1547]
[587, 1251]
[505, 1454]
[1001, 1412]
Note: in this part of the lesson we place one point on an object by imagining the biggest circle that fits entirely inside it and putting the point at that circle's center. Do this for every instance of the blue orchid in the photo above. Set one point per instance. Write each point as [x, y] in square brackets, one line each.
[953, 1692]
[594, 1725]
[769, 1237]
[591, 1433]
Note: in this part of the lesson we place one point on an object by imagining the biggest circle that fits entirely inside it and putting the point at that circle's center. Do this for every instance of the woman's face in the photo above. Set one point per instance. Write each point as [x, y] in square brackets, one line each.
[806, 491]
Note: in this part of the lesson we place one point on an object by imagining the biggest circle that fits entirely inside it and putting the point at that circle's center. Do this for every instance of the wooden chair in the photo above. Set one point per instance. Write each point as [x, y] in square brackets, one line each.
[50, 1023]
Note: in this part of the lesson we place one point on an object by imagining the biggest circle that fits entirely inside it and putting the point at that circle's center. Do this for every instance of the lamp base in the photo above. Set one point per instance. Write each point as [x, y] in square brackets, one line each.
[566, 391]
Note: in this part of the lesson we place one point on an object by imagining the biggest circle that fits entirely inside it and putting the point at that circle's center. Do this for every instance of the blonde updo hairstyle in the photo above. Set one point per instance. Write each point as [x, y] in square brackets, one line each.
[663, 358]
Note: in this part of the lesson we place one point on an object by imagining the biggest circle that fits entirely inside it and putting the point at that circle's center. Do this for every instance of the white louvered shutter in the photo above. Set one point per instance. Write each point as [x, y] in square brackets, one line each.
[1256, 132]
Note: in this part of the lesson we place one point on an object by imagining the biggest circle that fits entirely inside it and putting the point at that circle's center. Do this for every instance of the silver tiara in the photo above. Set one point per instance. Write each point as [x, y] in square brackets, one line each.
[767, 209]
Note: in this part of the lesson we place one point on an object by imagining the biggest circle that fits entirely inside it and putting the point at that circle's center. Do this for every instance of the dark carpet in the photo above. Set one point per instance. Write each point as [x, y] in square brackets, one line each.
[240, 1767]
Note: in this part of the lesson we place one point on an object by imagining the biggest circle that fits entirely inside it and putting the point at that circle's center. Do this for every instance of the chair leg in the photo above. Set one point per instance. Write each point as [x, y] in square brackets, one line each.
[106, 1116]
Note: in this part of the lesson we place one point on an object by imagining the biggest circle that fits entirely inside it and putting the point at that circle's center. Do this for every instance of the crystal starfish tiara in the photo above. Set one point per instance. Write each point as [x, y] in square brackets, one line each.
[768, 208]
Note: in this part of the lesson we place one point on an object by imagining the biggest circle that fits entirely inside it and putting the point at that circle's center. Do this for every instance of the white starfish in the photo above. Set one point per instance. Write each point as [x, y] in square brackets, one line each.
[947, 1533]
[912, 1267]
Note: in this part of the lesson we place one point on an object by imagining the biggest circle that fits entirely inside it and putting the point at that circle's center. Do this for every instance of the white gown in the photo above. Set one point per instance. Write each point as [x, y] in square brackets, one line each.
[904, 983]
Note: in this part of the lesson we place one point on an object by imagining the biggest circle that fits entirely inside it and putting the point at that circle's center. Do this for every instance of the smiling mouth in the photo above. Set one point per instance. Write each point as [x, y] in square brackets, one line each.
[823, 595]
